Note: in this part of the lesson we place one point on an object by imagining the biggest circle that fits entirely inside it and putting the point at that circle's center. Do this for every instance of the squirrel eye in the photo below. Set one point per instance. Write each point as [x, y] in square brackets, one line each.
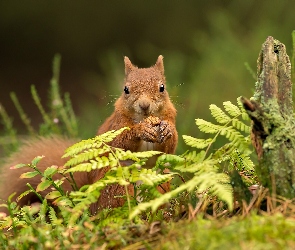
[126, 90]
[162, 87]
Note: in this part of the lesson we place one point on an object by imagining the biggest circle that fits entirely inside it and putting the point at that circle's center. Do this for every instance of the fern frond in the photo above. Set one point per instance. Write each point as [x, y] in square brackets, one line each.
[241, 161]
[168, 161]
[81, 146]
[87, 155]
[150, 177]
[112, 134]
[194, 157]
[95, 142]
[83, 167]
[235, 137]
[232, 109]
[218, 114]
[208, 165]
[207, 127]
[240, 125]
[53, 217]
[197, 143]
[217, 183]
[146, 154]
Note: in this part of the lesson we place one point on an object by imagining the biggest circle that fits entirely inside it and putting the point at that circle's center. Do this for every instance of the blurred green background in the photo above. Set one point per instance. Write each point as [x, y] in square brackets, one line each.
[205, 45]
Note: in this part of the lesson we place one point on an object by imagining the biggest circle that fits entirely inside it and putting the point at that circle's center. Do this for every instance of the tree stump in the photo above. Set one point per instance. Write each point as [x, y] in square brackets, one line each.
[273, 123]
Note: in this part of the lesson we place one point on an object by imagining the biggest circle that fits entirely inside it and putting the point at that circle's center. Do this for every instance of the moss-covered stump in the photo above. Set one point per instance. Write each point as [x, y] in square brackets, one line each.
[273, 123]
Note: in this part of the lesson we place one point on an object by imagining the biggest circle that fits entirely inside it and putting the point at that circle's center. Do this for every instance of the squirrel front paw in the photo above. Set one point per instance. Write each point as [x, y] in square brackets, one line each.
[165, 131]
[154, 130]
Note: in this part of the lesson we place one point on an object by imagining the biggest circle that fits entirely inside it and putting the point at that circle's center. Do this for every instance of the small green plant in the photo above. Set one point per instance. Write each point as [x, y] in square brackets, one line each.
[60, 119]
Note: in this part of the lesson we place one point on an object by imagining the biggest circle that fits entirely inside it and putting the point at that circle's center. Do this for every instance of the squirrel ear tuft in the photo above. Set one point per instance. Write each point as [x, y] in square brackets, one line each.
[128, 65]
[160, 64]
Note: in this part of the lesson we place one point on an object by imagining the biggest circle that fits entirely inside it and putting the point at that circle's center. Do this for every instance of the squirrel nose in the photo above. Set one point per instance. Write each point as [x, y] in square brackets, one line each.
[144, 106]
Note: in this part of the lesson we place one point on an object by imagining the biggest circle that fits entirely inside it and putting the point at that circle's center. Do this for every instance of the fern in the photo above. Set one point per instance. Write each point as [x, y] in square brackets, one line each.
[219, 184]
[229, 126]
[197, 143]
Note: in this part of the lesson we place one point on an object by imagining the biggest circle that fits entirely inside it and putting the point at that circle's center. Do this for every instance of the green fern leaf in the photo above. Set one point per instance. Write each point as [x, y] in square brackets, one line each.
[241, 126]
[218, 184]
[82, 146]
[241, 161]
[112, 134]
[232, 109]
[87, 155]
[207, 127]
[125, 155]
[150, 177]
[235, 137]
[168, 161]
[194, 157]
[146, 154]
[83, 167]
[198, 168]
[197, 143]
[218, 114]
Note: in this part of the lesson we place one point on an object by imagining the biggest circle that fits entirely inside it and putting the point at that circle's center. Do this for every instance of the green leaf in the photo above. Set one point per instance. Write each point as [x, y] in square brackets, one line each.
[81, 146]
[146, 154]
[37, 159]
[29, 174]
[23, 194]
[62, 201]
[200, 167]
[218, 114]
[21, 165]
[218, 183]
[59, 182]
[241, 126]
[53, 195]
[87, 155]
[168, 161]
[83, 167]
[43, 185]
[232, 109]
[196, 143]
[194, 157]
[112, 134]
[207, 127]
[50, 171]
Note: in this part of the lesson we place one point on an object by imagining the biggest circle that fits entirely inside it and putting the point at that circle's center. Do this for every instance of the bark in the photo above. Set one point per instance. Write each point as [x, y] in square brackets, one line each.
[273, 124]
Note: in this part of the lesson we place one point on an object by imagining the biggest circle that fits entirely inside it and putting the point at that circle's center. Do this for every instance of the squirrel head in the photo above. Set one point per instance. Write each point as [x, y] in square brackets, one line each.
[144, 93]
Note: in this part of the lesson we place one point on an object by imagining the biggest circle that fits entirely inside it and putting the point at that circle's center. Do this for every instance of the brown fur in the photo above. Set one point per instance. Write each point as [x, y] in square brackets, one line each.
[146, 110]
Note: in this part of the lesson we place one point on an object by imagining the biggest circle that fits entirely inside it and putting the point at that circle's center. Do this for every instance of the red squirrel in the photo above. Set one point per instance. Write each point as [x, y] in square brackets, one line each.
[144, 107]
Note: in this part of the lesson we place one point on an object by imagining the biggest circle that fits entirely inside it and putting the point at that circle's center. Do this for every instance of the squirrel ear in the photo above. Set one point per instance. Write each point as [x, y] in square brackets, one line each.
[160, 64]
[128, 65]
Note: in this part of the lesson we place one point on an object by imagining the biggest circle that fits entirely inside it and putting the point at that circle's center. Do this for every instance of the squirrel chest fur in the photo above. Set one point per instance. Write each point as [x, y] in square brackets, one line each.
[144, 107]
